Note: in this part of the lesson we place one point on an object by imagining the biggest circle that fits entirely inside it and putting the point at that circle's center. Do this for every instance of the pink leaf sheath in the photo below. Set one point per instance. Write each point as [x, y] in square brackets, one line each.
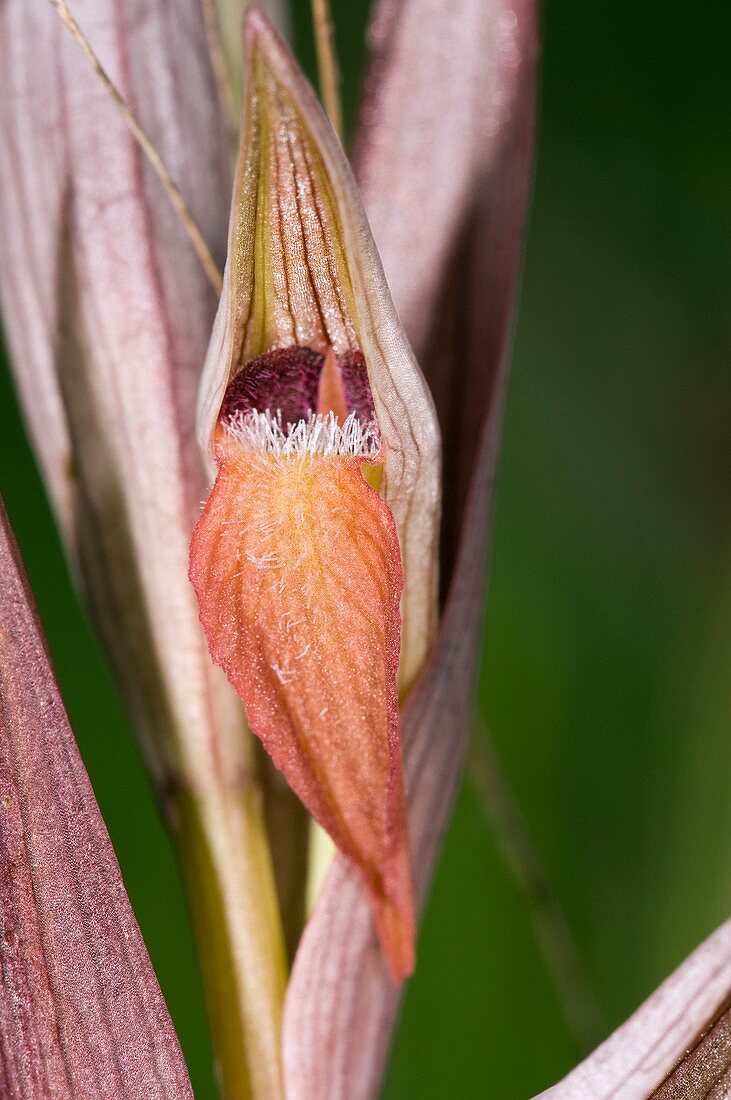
[91, 248]
[107, 313]
[340, 1009]
[636, 1058]
[438, 101]
[451, 87]
[705, 1071]
[81, 1013]
[296, 565]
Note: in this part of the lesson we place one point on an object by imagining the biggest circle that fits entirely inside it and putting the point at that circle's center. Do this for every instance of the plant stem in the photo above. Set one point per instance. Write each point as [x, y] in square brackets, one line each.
[321, 852]
[231, 891]
[551, 929]
[219, 65]
[286, 822]
[327, 63]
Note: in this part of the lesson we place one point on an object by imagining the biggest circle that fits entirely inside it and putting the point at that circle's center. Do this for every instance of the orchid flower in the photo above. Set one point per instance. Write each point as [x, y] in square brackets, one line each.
[340, 425]
[317, 591]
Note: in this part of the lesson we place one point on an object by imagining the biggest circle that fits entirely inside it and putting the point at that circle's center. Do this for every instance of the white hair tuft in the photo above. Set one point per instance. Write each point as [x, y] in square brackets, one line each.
[319, 434]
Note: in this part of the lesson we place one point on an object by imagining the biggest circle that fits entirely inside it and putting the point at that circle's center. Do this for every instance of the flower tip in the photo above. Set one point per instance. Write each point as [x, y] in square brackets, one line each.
[269, 55]
[396, 933]
[258, 31]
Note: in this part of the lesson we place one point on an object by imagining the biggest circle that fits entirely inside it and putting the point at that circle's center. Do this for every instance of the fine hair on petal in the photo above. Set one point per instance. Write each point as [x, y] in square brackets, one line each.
[318, 434]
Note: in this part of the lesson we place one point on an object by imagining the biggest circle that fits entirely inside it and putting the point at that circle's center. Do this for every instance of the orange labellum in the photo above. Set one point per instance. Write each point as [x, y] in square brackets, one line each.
[297, 568]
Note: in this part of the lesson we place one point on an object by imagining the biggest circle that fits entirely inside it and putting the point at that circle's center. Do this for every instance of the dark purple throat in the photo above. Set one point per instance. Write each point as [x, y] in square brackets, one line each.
[287, 381]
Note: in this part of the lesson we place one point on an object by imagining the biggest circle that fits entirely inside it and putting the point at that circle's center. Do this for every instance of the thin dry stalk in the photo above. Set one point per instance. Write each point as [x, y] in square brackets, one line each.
[217, 55]
[202, 250]
[327, 64]
[551, 929]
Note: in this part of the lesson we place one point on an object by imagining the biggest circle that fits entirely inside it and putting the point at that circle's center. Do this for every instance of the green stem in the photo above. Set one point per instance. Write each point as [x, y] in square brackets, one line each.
[225, 857]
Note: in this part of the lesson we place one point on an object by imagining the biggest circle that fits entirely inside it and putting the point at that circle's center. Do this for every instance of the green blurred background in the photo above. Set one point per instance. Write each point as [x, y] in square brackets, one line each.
[605, 679]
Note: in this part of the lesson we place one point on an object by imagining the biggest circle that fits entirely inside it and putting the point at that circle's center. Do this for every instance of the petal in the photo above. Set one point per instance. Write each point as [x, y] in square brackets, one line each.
[81, 1013]
[296, 565]
[302, 269]
[340, 1008]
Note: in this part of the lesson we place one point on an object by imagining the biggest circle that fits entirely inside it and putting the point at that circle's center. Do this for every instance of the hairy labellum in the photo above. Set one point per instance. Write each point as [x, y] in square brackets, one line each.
[297, 568]
[319, 434]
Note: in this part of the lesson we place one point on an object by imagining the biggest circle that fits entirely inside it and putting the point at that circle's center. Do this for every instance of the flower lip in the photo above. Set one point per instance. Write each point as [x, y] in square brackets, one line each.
[297, 567]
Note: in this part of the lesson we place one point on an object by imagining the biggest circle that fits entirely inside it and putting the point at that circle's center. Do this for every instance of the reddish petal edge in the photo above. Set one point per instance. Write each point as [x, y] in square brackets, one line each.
[81, 1013]
[340, 1007]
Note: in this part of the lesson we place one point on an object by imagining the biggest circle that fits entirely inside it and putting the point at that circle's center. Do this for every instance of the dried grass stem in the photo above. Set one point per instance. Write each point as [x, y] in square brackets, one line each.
[202, 250]
[327, 63]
